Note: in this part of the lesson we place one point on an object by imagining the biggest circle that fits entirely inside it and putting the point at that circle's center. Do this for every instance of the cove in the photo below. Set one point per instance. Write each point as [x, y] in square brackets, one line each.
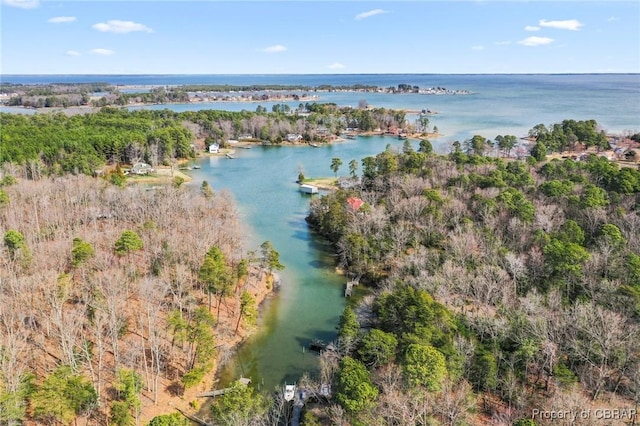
[311, 296]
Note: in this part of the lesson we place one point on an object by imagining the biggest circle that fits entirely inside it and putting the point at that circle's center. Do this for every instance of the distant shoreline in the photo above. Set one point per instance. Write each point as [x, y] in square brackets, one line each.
[100, 94]
[88, 109]
[101, 77]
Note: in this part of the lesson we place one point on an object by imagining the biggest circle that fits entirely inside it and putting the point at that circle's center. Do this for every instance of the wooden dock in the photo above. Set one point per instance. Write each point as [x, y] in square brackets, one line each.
[297, 411]
[303, 395]
[217, 392]
[298, 403]
[349, 287]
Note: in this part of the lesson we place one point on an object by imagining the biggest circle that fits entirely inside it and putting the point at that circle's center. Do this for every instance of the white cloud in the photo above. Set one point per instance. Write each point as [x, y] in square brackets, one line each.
[102, 52]
[536, 41]
[612, 18]
[531, 28]
[370, 13]
[72, 53]
[277, 48]
[62, 19]
[121, 27]
[569, 24]
[477, 47]
[336, 66]
[23, 4]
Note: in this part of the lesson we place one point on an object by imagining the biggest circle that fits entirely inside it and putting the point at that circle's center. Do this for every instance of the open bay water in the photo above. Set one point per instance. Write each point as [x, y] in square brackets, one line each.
[310, 299]
[499, 104]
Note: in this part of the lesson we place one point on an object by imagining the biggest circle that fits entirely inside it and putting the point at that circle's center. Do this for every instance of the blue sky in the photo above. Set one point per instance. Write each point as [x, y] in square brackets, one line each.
[318, 37]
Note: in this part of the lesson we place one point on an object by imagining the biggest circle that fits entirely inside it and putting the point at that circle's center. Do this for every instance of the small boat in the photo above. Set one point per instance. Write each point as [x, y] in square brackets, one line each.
[196, 167]
[315, 145]
[350, 136]
[228, 155]
[427, 112]
[289, 392]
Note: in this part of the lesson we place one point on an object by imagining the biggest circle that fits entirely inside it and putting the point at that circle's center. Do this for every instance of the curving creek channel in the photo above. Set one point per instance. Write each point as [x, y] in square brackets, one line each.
[262, 181]
[311, 296]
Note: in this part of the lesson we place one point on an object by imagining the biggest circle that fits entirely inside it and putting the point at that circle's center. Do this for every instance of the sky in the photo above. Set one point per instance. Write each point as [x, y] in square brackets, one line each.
[319, 37]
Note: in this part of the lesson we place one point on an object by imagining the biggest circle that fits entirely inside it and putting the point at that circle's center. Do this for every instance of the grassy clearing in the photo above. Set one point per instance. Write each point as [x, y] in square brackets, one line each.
[323, 182]
[161, 175]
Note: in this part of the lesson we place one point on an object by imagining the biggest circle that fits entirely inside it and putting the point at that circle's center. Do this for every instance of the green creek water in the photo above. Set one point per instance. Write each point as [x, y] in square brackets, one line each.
[311, 297]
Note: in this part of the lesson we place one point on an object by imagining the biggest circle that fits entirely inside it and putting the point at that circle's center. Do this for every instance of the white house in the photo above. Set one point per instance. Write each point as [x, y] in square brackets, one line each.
[141, 169]
[294, 137]
[214, 148]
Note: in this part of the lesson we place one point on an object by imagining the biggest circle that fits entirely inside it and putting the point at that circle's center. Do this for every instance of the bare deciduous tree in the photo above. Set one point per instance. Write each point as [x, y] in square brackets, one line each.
[454, 402]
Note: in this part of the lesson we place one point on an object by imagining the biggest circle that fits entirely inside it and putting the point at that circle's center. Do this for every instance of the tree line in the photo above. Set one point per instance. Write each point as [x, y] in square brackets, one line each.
[80, 94]
[57, 143]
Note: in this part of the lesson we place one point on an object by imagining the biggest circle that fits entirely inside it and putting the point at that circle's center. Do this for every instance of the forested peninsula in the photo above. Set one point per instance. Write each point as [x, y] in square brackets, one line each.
[43, 96]
[57, 143]
[499, 289]
[495, 289]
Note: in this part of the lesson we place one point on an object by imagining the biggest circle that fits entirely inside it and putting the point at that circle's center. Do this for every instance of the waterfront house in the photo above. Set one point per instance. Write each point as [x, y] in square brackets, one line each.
[355, 203]
[141, 169]
[294, 137]
[348, 182]
[214, 148]
[322, 130]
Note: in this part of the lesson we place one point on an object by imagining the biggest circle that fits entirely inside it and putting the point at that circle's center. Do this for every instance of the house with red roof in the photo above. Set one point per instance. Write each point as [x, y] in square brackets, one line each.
[355, 203]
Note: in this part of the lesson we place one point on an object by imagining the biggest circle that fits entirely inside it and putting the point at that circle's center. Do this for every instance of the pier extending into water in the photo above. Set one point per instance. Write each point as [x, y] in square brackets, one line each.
[298, 403]
[217, 392]
[302, 395]
[348, 290]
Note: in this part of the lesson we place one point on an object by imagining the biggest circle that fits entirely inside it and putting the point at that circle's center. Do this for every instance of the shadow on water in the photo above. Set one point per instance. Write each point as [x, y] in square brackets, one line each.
[327, 334]
[300, 234]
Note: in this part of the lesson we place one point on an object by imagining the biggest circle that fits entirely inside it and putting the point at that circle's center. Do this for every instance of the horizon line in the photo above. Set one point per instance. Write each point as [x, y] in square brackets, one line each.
[333, 74]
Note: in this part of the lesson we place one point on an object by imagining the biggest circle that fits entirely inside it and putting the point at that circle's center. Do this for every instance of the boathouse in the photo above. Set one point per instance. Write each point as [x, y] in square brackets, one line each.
[308, 189]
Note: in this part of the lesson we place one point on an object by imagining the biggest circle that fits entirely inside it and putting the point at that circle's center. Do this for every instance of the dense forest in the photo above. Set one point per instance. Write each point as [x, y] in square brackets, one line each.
[497, 288]
[58, 144]
[53, 95]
